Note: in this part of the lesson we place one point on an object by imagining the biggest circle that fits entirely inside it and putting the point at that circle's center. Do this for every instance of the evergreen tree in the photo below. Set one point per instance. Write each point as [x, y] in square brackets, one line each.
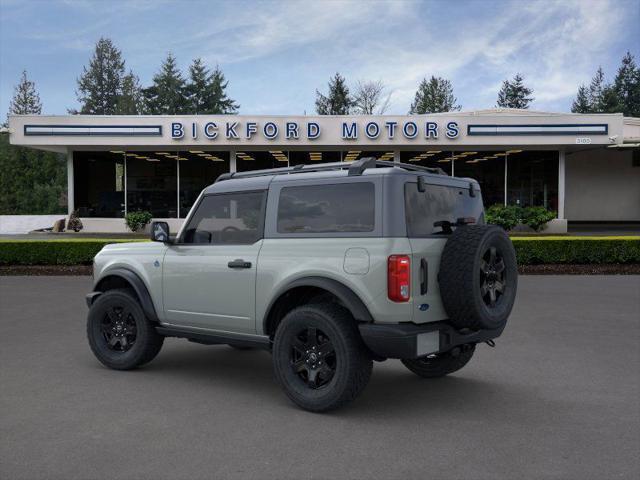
[167, 95]
[130, 101]
[627, 86]
[433, 96]
[196, 89]
[99, 86]
[31, 181]
[596, 91]
[25, 99]
[338, 101]
[206, 92]
[218, 100]
[514, 94]
[581, 104]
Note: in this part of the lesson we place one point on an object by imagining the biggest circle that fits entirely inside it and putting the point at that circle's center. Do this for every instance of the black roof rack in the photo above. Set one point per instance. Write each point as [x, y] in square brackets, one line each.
[355, 168]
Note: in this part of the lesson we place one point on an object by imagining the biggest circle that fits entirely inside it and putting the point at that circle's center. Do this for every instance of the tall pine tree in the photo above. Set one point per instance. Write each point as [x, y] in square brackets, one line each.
[167, 94]
[25, 99]
[582, 103]
[338, 100]
[627, 86]
[130, 101]
[31, 181]
[514, 94]
[206, 92]
[433, 96]
[100, 85]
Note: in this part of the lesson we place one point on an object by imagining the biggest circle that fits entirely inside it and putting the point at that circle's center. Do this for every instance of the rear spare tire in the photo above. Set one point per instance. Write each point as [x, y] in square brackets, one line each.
[478, 277]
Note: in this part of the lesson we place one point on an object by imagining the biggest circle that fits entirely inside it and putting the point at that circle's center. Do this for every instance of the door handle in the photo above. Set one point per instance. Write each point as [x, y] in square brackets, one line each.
[239, 263]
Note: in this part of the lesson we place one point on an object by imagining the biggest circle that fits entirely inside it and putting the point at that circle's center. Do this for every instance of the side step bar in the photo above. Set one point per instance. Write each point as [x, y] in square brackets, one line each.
[217, 338]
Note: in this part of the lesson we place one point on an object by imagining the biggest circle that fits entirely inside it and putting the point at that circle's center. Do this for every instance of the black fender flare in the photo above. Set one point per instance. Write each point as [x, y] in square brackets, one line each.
[138, 286]
[347, 296]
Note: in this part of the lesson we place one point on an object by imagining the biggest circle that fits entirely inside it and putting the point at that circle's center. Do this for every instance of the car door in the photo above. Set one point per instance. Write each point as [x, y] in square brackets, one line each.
[209, 274]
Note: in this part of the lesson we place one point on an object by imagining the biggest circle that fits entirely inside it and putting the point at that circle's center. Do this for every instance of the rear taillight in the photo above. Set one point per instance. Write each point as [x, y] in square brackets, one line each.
[398, 278]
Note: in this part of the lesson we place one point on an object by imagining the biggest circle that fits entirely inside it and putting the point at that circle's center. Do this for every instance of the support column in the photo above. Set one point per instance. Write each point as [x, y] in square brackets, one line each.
[561, 181]
[70, 183]
[232, 161]
[396, 155]
[178, 188]
[506, 183]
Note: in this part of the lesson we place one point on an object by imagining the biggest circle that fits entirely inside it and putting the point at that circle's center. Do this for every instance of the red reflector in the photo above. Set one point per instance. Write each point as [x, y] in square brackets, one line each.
[398, 278]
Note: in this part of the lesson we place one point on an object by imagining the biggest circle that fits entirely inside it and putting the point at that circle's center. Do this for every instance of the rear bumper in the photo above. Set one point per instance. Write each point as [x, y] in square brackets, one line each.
[407, 340]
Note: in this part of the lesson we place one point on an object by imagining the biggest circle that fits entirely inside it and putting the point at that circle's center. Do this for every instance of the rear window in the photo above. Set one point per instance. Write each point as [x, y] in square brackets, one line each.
[437, 203]
[347, 207]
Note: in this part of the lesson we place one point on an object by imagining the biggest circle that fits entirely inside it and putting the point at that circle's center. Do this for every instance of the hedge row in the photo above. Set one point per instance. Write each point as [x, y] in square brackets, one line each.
[576, 250]
[529, 250]
[52, 252]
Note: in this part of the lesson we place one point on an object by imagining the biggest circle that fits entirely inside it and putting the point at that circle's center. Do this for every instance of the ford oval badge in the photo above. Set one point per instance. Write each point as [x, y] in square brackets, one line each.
[424, 307]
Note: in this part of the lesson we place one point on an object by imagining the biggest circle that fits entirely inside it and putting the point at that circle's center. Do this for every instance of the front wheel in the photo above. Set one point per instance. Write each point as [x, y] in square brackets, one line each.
[119, 334]
[319, 357]
[439, 365]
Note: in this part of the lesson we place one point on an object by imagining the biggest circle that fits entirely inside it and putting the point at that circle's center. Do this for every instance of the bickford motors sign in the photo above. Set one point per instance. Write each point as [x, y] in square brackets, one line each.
[310, 130]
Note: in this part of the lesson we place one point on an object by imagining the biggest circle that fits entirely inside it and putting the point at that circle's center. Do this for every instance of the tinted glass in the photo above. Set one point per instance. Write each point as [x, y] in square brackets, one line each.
[227, 219]
[345, 207]
[436, 204]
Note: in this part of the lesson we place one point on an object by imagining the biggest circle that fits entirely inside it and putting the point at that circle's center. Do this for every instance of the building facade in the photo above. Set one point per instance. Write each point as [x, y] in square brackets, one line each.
[583, 167]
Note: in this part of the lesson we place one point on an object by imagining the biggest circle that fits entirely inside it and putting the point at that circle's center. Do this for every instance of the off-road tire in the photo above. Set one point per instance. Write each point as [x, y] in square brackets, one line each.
[462, 281]
[440, 365]
[147, 342]
[352, 362]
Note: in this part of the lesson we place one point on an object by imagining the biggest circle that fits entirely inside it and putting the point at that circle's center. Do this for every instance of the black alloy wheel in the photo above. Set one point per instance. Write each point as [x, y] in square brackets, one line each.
[313, 357]
[492, 277]
[119, 329]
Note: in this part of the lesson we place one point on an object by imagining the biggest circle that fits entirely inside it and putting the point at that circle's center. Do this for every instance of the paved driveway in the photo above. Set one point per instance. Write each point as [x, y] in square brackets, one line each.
[557, 398]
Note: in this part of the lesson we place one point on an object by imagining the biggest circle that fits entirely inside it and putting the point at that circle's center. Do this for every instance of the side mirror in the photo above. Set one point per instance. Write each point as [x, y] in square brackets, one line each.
[160, 232]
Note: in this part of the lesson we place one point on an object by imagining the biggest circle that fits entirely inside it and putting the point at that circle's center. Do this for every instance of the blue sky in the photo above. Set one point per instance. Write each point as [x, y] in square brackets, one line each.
[275, 54]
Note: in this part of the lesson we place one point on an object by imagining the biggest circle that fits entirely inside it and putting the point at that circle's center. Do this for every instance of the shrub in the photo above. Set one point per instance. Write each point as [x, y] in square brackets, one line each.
[509, 216]
[137, 220]
[74, 223]
[505, 217]
[536, 217]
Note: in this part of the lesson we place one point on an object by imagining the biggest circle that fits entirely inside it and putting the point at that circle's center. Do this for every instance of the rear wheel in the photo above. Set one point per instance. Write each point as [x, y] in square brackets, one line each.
[439, 365]
[319, 357]
[119, 334]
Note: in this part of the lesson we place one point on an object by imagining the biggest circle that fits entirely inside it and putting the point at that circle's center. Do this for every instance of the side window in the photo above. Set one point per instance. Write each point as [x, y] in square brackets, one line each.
[233, 218]
[345, 207]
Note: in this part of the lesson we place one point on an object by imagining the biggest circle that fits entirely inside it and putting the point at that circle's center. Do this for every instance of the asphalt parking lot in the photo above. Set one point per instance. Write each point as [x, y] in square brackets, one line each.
[557, 398]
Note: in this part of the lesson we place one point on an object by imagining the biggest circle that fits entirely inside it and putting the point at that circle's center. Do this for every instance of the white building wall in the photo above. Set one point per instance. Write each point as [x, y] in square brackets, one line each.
[602, 185]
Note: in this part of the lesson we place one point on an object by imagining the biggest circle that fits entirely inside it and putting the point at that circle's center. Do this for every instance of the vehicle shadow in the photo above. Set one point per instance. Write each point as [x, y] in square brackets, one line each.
[391, 389]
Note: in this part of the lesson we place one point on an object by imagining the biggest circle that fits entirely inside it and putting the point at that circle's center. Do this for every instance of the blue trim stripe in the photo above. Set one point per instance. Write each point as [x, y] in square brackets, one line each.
[93, 130]
[533, 129]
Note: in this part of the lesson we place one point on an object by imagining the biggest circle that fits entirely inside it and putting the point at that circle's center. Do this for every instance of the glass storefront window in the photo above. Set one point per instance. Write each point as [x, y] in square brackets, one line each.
[432, 158]
[311, 157]
[485, 167]
[198, 169]
[260, 160]
[99, 184]
[152, 184]
[532, 179]
[355, 154]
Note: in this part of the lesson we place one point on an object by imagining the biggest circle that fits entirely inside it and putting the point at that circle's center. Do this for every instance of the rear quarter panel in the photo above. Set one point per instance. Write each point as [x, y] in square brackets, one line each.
[284, 260]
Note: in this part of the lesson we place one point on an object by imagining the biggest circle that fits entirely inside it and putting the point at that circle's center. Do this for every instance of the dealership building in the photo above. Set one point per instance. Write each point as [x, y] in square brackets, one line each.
[586, 168]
